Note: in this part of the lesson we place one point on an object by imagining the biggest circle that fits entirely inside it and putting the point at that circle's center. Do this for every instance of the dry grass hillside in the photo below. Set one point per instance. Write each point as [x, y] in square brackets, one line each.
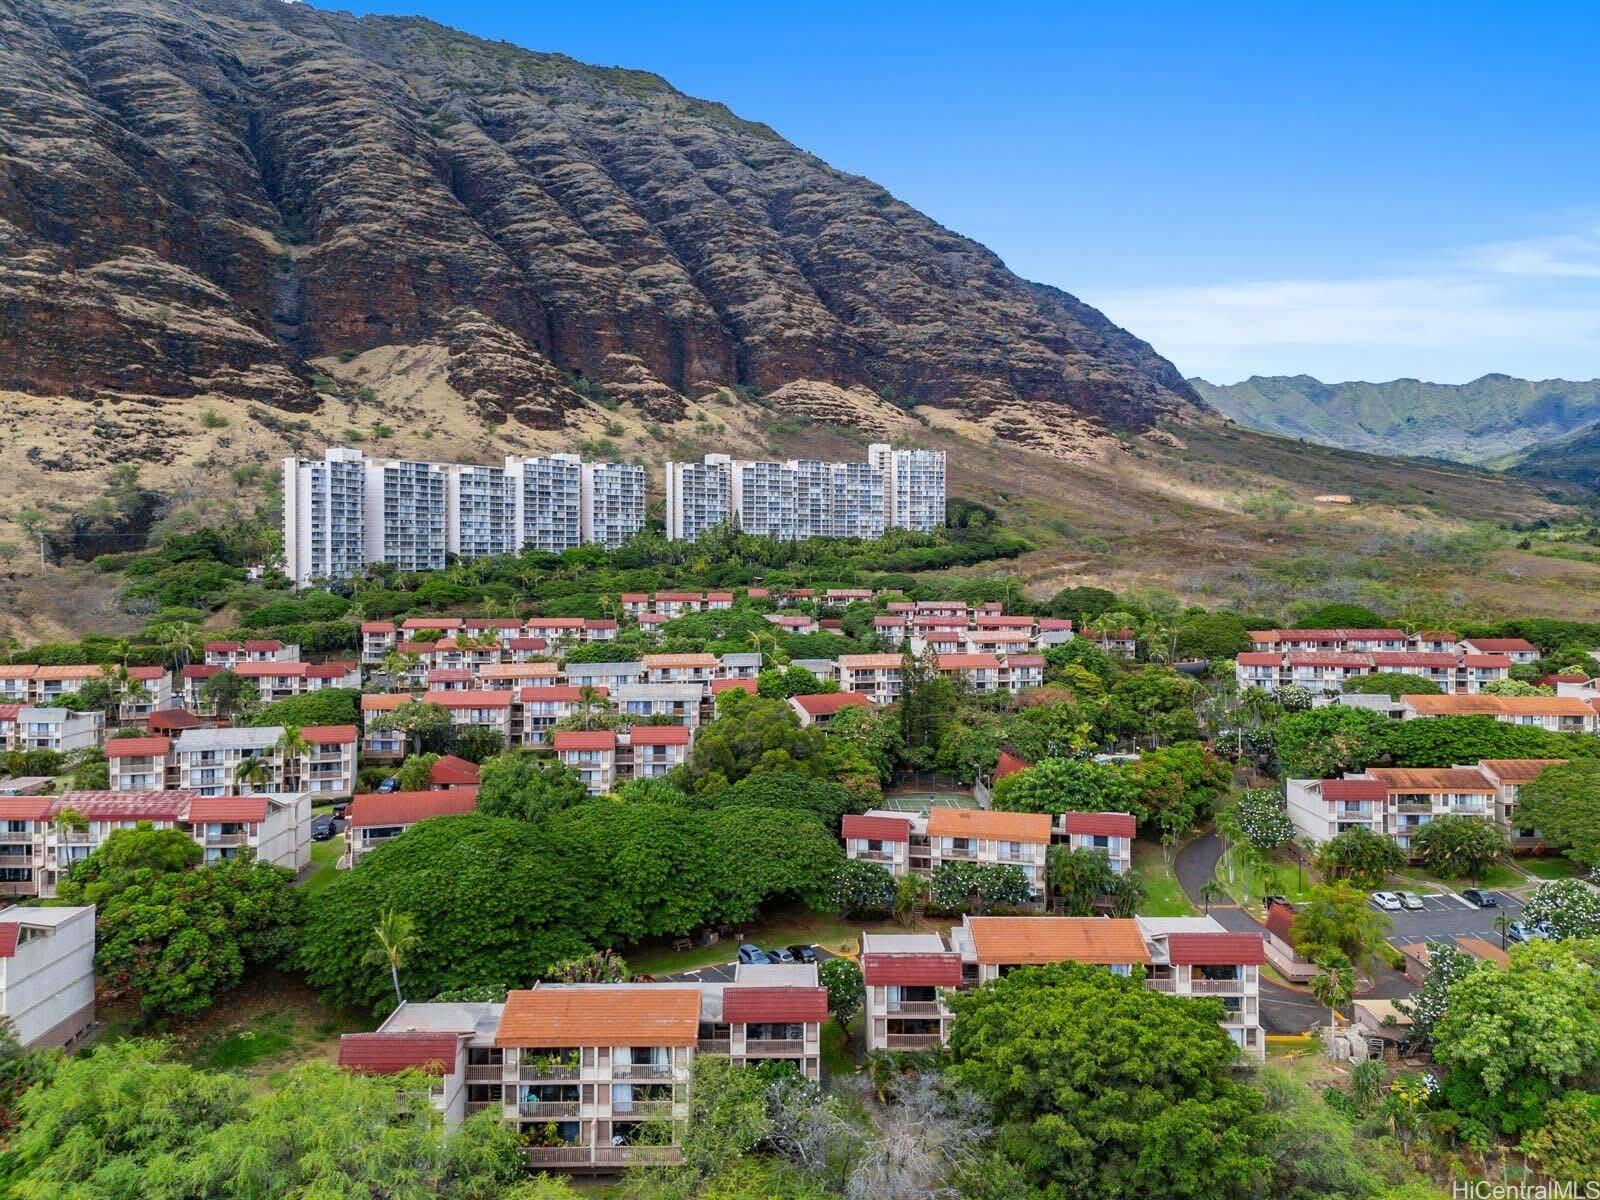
[1214, 512]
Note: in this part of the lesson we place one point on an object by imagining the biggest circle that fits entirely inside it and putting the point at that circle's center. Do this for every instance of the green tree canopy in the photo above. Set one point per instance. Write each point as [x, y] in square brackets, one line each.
[1059, 785]
[750, 734]
[1323, 742]
[1361, 856]
[1335, 923]
[526, 788]
[1393, 684]
[1445, 741]
[1563, 804]
[1092, 1103]
[1570, 906]
[1456, 846]
[327, 706]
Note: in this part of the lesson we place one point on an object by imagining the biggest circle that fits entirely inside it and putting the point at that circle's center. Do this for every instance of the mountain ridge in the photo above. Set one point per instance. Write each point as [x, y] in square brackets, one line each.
[1486, 419]
[203, 199]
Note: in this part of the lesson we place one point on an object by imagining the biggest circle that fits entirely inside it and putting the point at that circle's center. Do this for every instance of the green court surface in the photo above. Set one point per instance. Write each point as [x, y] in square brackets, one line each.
[919, 801]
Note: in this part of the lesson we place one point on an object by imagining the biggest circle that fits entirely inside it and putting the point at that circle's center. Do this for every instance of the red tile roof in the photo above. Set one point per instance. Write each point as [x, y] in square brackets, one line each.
[329, 735]
[329, 670]
[221, 647]
[173, 718]
[1101, 824]
[1021, 940]
[584, 739]
[264, 646]
[26, 808]
[391, 1053]
[1280, 921]
[1259, 658]
[883, 829]
[1413, 658]
[377, 627]
[826, 704]
[1486, 660]
[200, 671]
[450, 771]
[469, 698]
[659, 735]
[718, 686]
[8, 938]
[988, 823]
[379, 809]
[1215, 949]
[556, 693]
[1328, 658]
[965, 662]
[250, 809]
[756, 1004]
[448, 675]
[1024, 660]
[137, 747]
[126, 806]
[431, 623]
[1504, 645]
[1354, 789]
[527, 643]
[1009, 764]
[600, 1016]
[914, 970]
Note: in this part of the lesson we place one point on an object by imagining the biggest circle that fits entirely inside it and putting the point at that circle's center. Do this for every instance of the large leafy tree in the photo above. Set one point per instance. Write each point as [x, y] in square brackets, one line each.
[1446, 966]
[327, 706]
[527, 788]
[1079, 878]
[786, 789]
[1513, 1039]
[426, 726]
[927, 699]
[863, 888]
[1336, 922]
[1393, 684]
[1361, 856]
[1323, 742]
[1260, 818]
[1059, 785]
[751, 734]
[957, 886]
[1563, 804]
[1176, 788]
[171, 934]
[1105, 1088]
[1445, 741]
[1457, 846]
[1567, 1145]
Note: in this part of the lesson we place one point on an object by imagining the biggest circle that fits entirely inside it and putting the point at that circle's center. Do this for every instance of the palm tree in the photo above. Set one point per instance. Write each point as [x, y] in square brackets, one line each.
[293, 746]
[251, 771]
[1210, 890]
[591, 706]
[1502, 924]
[1334, 986]
[397, 938]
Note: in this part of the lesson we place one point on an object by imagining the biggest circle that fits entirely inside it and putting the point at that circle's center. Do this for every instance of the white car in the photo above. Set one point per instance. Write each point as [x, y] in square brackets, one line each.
[1412, 901]
[1387, 901]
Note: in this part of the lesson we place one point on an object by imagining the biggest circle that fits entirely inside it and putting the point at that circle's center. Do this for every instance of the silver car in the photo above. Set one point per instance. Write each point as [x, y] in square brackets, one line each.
[1388, 901]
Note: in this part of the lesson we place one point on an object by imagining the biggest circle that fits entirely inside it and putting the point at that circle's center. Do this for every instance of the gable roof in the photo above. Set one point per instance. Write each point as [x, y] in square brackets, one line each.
[984, 823]
[246, 809]
[824, 704]
[659, 735]
[1101, 824]
[875, 828]
[1354, 789]
[137, 747]
[386, 1053]
[450, 771]
[801, 1004]
[1216, 949]
[584, 739]
[378, 809]
[640, 1015]
[916, 970]
[1519, 770]
[1432, 779]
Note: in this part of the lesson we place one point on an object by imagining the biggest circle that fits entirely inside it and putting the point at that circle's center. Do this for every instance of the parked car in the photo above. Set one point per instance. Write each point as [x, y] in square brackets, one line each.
[341, 809]
[1519, 931]
[1479, 898]
[322, 829]
[804, 954]
[1387, 901]
[751, 953]
[391, 784]
[779, 955]
[1411, 900]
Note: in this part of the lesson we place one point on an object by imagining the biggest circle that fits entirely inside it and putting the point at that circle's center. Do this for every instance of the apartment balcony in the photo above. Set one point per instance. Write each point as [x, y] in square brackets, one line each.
[21, 860]
[1163, 983]
[18, 887]
[485, 1072]
[773, 1047]
[478, 1106]
[539, 1074]
[913, 1041]
[641, 1110]
[550, 1109]
[227, 839]
[958, 853]
[1414, 808]
[1217, 987]
[641, 1071]
[714, 1045]
[916, 1008]
[879, 856]
[604, 1156]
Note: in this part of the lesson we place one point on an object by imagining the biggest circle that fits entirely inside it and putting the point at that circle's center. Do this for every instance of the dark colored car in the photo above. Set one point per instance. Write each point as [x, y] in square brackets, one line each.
[340, 809]
[750, 953]
[391, 784]
[322, 829]
[803, 954]
[779, 955]
[1479, 898]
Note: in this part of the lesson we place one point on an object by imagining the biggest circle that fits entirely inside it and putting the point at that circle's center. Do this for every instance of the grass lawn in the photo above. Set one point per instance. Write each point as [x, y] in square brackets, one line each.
[787, 928]
[272, 1022]
[1549, 866]
[1163, 896]
[1248, 883]
[324, 856]
[1495, 877]
[838, 1056]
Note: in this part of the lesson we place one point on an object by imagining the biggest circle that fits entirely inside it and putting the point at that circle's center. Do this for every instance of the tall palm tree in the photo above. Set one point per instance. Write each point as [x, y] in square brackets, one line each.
[1334, 986]
[293, 746]
[397, 938]
[591, 706]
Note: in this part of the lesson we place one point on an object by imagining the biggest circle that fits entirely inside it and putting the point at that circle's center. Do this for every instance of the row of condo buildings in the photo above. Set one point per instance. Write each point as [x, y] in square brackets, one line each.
[1324, 660]
[344, 510]
[802, 498]
[597, 1076]
[45, 836]
[1398, 802]
[1558, 714]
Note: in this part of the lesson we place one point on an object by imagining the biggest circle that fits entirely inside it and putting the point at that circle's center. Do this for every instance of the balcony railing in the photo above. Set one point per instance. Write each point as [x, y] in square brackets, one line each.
[1414, 808]
[915, 1008]
[226, 839]
[966, 853]
[641, 1109]
[1161, 984]
[528, 1073]
[20, 860]
[760, 1046]
[1217, 987]
[625, 1070]
[549, 1108]
[912, 1041]
[485, 1072]
[562, 1156]
[875, 856]
[478, 1106]
[714, 1045]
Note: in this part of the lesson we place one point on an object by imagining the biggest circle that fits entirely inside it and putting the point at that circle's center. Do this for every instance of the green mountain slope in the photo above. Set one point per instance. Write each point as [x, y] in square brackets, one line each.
[1486, 419]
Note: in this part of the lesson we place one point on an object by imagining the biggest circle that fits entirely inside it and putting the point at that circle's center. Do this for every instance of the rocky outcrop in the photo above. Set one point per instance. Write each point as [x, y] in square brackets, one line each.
[198, 196]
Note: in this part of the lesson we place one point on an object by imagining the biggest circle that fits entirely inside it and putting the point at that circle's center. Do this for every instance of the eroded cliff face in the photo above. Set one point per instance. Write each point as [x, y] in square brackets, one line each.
[199, 196]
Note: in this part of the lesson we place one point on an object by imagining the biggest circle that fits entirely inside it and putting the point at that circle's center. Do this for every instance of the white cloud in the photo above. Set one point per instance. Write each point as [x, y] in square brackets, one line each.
[1525, 308]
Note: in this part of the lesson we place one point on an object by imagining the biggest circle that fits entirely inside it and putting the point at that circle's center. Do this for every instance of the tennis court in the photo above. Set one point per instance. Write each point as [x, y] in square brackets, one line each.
[915, 801]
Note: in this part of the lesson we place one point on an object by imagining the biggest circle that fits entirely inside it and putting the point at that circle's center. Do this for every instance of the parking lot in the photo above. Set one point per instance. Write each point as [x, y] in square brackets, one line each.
[723, 972]
[1446, 915]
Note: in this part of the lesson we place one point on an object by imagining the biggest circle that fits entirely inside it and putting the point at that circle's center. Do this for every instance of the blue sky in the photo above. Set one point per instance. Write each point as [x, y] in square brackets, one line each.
[1351, 191]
